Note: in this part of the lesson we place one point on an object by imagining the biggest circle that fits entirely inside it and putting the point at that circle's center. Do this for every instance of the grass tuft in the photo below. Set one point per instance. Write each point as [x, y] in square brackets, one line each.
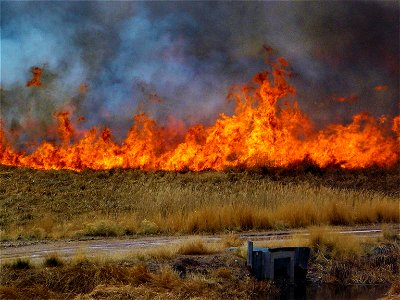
[148, 227]
[232, 240]
[165, 278]
[21, 264]
[195, 247]
[53, 260]
[102, 229]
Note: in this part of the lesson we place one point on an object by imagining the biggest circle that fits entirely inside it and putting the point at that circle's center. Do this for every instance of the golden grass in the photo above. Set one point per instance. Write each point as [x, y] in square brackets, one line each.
[197, 247]
[331, 244]
[161, 253]
[59, 204]
[325, 243]
[390, 234]
[232, 240]
[293, 241]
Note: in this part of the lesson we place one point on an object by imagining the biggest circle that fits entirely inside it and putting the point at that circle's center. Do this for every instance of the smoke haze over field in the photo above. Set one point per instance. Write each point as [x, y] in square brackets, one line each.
[180, 58]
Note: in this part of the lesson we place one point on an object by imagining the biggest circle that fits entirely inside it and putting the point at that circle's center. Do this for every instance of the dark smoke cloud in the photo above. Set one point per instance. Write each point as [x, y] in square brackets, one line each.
[188, 54]
[341, 48]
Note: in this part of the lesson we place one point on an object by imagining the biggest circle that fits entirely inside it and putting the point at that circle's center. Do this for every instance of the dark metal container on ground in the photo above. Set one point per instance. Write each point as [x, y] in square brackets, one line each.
[278, 264]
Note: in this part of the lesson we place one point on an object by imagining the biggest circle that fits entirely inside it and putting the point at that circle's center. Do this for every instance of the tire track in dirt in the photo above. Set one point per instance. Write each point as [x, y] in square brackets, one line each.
[115, 246]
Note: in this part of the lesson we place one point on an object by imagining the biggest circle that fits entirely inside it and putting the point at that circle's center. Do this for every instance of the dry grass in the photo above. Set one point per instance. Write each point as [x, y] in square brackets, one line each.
[395, 289]
[347, 259]
[325, 243]
[161, 253]
[195, 270]
[390, 233]
[344, 258]
[53, 260]
[330, 244]
[193, 246]
[232, 240]
[19, 264]
[197, 247]
[293, 241]
[228, 279]
[59, 204]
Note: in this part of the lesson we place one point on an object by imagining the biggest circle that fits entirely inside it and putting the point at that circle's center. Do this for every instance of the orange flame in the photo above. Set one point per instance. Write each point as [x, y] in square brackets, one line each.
[349, 99]
[83, 88]
[381, 88]
[260, 133]
[36, 78]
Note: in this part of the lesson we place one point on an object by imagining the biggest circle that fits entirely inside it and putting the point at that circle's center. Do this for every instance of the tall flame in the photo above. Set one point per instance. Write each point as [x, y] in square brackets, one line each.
[260, 133]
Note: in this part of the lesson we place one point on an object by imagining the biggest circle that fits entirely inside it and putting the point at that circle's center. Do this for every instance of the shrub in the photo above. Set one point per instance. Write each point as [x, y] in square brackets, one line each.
[148, 227]
[103, 229]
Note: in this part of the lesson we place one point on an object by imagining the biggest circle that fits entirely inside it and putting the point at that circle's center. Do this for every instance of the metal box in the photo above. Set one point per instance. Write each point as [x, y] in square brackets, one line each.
[278, 264]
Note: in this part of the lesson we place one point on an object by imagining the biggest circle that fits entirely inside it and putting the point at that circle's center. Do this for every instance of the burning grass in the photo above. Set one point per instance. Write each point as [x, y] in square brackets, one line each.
[57, 204]
[267, 129]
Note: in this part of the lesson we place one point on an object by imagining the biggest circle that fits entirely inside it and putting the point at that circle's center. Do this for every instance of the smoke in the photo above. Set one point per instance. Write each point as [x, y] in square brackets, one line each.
[181, 58]
[341, 49]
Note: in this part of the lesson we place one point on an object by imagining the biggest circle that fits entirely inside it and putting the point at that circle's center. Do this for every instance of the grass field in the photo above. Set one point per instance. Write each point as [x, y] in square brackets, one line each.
[65, 204]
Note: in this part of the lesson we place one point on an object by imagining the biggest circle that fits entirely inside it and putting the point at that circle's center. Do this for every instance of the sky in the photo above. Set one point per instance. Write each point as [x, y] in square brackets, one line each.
[181, 58]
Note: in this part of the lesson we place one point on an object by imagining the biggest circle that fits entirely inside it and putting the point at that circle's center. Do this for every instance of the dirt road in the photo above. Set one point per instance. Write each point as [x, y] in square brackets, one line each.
[36, 251]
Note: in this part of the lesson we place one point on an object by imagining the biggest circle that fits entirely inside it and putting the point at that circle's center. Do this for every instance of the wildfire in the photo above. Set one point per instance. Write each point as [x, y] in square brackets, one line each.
[381, 88]
[83, 88]
[350, 99]
[36, 78]
[261, 132]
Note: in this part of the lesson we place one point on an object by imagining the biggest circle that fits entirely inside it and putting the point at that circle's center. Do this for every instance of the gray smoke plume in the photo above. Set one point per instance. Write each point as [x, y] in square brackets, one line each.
[181, 58]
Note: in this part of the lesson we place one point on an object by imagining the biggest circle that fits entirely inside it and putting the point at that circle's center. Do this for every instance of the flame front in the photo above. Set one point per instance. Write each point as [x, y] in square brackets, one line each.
[261, 133]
